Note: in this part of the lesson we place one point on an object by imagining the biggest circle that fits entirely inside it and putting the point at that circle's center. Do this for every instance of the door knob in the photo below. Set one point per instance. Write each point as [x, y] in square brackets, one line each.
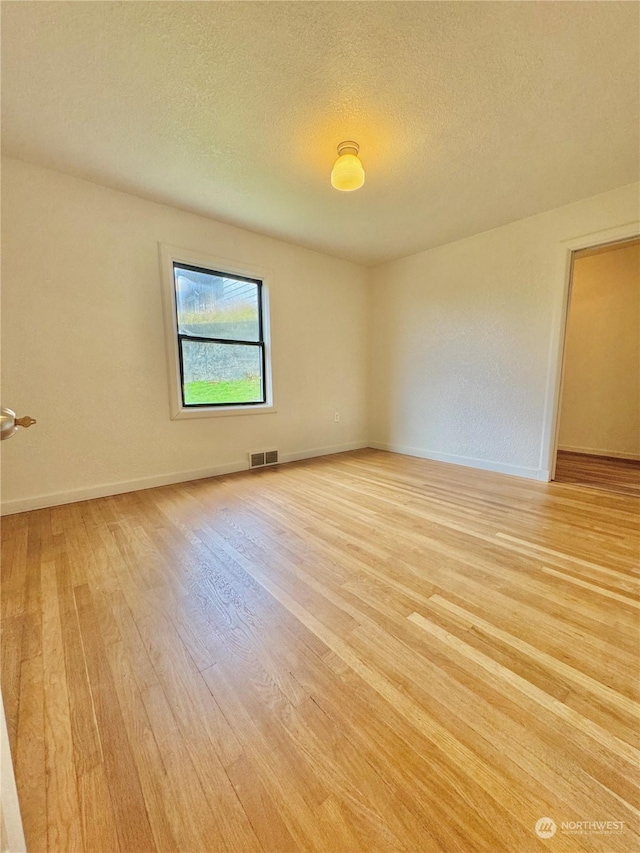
[9, 423]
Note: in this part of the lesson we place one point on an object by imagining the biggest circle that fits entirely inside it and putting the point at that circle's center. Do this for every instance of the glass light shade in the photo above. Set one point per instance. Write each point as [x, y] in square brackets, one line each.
[347, 173]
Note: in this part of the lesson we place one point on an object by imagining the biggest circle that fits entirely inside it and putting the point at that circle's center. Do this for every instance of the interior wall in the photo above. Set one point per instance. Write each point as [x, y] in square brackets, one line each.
[456, 342]
[462, 339]
[83, 348]
[600, 410]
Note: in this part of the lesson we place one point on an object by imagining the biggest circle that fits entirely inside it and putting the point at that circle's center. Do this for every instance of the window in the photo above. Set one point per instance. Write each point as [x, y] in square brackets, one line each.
[219, 341]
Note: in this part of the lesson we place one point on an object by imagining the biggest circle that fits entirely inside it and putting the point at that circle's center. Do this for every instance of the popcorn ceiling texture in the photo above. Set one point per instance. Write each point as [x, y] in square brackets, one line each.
[469, 115]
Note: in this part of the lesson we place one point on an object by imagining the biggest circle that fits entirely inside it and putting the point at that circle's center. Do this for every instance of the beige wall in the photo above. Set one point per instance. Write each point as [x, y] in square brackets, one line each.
[600, 410]
[84, 351]
[463, 339]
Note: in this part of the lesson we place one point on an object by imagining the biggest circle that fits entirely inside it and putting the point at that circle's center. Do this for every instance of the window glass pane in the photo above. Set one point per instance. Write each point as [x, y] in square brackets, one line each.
[216, 306]
[221, 373]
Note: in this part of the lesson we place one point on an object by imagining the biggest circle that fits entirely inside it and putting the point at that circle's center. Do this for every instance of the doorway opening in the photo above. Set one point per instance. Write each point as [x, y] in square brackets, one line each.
[598, 436]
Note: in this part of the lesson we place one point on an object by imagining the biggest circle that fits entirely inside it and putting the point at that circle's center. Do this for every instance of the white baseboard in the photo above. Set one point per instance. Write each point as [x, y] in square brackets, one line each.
[591, 451]
[466, 461]
[107, 489]
[298, 455]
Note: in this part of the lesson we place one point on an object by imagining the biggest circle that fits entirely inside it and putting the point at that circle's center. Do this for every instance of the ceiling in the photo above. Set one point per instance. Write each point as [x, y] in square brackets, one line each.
[468, 114]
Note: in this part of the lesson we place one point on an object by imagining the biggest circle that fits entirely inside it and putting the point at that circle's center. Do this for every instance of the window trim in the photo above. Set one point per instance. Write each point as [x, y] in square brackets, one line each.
[170, 255]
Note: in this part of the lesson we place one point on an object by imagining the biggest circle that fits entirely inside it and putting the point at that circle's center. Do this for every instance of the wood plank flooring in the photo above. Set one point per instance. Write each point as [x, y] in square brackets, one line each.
[599, 472]
[365, 652]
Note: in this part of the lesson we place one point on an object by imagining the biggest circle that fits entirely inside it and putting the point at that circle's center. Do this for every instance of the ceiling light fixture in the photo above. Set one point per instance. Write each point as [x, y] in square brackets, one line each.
[347, 173]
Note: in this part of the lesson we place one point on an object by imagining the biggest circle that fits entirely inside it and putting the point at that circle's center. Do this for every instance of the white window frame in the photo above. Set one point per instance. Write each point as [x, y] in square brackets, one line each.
[170, 255]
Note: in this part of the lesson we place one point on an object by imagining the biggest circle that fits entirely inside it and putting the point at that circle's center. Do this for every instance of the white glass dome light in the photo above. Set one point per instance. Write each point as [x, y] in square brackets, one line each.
[347, 174]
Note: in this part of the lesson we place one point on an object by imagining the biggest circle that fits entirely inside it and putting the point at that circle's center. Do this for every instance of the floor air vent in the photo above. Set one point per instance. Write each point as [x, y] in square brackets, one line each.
[263, 458]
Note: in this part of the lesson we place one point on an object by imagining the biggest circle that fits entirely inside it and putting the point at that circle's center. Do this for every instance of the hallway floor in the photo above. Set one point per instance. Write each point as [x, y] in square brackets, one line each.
[599, 472]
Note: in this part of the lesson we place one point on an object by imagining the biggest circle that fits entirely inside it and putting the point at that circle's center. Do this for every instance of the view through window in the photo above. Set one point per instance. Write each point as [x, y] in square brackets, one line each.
[220, 337]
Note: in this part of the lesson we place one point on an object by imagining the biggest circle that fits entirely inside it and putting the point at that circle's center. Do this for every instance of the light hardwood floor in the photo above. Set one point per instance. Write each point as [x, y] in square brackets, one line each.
[599, 472]
[366, 652]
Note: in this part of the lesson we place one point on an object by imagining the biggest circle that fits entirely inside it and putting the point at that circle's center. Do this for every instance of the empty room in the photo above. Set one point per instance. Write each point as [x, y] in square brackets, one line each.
[320, 481]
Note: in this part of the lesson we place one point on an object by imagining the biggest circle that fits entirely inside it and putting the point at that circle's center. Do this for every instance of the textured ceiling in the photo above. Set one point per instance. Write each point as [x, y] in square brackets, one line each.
[468, 115]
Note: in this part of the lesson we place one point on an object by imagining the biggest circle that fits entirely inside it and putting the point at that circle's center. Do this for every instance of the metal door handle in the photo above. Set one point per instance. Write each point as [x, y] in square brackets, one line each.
[9, 423]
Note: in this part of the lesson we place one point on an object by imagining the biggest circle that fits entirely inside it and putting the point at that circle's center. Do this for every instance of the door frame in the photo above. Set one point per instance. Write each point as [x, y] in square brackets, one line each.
[11, 832]
[562, 297]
